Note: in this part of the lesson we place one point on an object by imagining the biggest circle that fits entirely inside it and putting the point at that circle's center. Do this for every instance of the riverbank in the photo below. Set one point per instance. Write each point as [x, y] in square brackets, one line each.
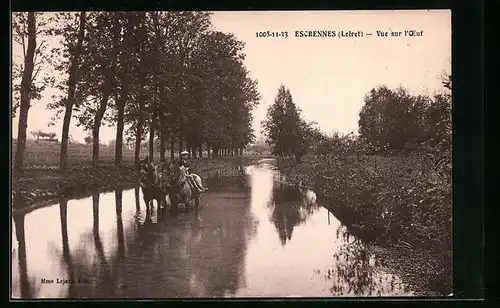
[39, 185]
[399, 205]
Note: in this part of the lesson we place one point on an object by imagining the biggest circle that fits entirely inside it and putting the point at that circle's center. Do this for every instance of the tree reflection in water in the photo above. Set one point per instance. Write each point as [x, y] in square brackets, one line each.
[119, 222]
[25, 285]
[354, 273]
[63, 211]
[92, 277]
[196, 254]
[291, 207]
[99, 248]
[137, 199]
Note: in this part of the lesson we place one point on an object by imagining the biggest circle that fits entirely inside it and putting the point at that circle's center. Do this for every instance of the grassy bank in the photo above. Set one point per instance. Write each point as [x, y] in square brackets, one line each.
[38, 184]
[400, 204]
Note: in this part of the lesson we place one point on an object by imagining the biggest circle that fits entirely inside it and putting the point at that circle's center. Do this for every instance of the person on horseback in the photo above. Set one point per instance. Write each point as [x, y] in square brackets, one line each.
[184, 160]
[192, 179]
[150, 182]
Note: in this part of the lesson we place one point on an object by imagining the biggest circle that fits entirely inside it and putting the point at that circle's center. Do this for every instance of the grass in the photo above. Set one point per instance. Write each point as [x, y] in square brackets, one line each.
[46, 153]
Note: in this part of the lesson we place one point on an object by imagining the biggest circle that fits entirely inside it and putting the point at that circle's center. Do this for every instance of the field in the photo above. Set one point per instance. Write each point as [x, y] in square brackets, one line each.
[46, 153]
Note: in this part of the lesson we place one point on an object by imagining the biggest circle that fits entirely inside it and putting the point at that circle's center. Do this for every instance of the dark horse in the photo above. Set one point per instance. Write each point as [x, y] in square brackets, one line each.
[152, 183]
[181, 190]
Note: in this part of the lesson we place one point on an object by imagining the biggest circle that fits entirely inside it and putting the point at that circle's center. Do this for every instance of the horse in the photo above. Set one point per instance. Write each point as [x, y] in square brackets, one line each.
[184, 188]
[152, 183]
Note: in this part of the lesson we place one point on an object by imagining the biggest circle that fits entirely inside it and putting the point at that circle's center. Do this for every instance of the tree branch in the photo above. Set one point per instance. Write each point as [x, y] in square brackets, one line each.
[18, 34]
[39, 48]
[38, 24]
[24, 47]
[39, 63]
[33, 78]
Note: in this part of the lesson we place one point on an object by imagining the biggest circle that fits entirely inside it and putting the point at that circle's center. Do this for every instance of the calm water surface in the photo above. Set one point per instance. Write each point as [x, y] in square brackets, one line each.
[253, 237]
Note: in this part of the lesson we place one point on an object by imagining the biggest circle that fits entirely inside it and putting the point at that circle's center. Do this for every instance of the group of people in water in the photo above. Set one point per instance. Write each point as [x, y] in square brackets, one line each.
[172, 179]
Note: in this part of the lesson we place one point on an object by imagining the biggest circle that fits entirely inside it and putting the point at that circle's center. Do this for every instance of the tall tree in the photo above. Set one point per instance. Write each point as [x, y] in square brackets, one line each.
[75, 51]
[100, 74]
[178, 102]
[284, 127]
[25, 91]
[137, 113]
[30, 72]
[386, 121]
[127, 64]
[396, 120]
[225, 93]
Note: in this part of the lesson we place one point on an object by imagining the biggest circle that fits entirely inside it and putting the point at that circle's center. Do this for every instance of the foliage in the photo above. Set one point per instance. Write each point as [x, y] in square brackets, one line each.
[88, 139]
[286, 131]
[391, 199]
[43, 59]
[225, 90]
[394, 120]
[66, 32]
[163, 73]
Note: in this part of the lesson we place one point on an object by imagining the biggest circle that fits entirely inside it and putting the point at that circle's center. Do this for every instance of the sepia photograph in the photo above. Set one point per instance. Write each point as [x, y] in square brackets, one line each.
[231, 154]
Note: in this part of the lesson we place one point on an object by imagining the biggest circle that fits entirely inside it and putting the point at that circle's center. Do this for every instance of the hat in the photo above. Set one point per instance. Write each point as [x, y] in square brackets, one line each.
[184, 153]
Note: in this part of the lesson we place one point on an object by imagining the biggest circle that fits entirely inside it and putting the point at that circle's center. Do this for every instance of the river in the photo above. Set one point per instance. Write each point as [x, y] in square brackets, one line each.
[253, 237]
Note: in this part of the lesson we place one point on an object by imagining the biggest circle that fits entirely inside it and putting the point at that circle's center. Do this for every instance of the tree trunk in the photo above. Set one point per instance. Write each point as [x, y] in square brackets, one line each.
[241, 151]
[138, 139]
[172, 145]
[25, 93]
[23, 269]
[200, 151]
[193, 151]
[152, 137]
[96, 128]
[162, 139]
[72, 80]
[180, 144]
[119, 131]
[95, 146]
[162, 148]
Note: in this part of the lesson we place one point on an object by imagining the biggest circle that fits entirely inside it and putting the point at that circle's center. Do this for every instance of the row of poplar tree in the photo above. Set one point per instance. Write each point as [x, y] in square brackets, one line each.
[166, 75]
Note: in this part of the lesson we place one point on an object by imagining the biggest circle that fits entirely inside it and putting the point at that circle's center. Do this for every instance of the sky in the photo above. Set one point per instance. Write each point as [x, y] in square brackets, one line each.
[328, 77]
